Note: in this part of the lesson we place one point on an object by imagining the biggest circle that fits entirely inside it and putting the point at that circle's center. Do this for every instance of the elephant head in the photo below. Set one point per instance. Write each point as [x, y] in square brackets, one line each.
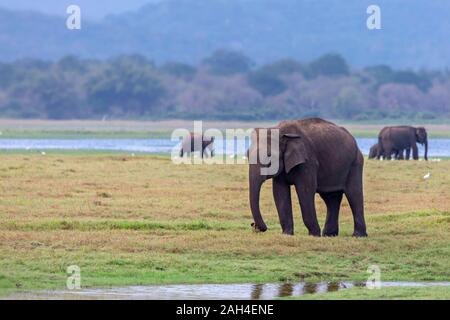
[208, 140]
[421, 137]
[373, 151]
[272, 152]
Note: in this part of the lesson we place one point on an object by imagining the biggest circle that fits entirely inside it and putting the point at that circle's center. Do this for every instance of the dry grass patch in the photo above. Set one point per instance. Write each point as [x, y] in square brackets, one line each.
[118, 217]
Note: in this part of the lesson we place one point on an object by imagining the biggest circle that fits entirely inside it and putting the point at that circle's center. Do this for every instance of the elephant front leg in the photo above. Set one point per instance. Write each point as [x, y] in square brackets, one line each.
[306, 193]
[415, 152]
[283, 202]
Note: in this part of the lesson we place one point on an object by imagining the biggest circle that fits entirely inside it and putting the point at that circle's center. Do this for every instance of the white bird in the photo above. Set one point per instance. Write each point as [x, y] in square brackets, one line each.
[43, 153]
[425, 177]
[132, 154]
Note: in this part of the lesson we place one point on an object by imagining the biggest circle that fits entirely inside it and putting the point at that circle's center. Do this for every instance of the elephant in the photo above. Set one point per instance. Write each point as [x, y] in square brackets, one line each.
[375, 152]
[401, 138]
[316, 156]
[193, 142]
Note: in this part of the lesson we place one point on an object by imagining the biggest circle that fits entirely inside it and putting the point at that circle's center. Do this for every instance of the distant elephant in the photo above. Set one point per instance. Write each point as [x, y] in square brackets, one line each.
[375, 152]
[196, 142]
[316, 156]
[400, 138]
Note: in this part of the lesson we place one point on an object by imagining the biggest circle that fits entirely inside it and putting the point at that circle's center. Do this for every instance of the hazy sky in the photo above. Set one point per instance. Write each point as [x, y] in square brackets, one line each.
[94, 9]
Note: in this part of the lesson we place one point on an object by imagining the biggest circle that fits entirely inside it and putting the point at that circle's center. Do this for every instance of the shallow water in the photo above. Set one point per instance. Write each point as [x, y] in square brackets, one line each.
[212, 291]
[437, 147]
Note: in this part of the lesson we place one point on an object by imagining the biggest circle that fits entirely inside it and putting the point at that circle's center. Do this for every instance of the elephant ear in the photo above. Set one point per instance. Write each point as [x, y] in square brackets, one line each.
[295, 152]
[417, 132]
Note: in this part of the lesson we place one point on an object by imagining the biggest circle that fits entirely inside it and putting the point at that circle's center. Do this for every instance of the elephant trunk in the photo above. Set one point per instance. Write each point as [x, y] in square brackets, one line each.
[426, 149]
[255, 182]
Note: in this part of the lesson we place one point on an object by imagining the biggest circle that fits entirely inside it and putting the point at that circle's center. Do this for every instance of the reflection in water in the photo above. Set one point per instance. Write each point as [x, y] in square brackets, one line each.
[286, 290]
[257, 291]
[212, 291]
[310, 288]
[334, 286]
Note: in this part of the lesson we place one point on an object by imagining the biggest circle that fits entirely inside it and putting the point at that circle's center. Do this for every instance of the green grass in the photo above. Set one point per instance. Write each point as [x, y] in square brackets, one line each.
[143, 220]
[53, 130]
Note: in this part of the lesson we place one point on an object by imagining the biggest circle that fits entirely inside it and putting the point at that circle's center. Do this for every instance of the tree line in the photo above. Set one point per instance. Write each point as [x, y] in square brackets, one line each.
[227, 85]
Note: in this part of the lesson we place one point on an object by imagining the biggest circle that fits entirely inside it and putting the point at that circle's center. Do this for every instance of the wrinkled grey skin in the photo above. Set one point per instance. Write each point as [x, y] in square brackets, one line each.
[400, 138]
[315, 156]
[195, 142]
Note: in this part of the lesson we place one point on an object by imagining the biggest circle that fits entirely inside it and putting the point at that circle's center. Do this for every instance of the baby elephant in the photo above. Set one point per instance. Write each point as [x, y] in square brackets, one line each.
[376, 152]
[193, 142]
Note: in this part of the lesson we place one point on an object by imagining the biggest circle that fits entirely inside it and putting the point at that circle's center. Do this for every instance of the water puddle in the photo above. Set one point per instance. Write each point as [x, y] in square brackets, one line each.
[211, 291]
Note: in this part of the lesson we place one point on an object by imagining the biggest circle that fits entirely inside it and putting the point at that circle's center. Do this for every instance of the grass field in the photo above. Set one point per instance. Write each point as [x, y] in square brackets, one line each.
[143, 220]
[77, 129]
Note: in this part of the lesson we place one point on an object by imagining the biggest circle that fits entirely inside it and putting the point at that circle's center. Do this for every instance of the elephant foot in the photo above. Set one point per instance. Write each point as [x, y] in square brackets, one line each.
[327, 233]
[257, 228]
[314, 231]
[288, 232]
[360, 234]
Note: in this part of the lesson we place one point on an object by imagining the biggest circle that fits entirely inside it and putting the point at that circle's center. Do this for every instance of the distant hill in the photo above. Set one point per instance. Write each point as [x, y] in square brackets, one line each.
[414, 33]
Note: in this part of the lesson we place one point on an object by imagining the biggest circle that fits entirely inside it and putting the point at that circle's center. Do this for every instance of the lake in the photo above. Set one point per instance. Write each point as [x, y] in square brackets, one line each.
[437, 147]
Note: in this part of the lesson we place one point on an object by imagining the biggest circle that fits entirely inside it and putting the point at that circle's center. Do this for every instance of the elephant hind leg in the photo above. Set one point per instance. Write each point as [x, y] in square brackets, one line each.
[333, 202]
[306, 193]
[408, 153]
[355, 197]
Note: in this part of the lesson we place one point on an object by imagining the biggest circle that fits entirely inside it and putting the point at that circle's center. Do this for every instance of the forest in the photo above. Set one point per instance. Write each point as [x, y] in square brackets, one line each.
[226, 85]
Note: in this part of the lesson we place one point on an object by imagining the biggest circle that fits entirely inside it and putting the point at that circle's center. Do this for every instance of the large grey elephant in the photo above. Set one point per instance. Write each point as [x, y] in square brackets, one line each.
[316, 156]
[402, 138]
[197, 142]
